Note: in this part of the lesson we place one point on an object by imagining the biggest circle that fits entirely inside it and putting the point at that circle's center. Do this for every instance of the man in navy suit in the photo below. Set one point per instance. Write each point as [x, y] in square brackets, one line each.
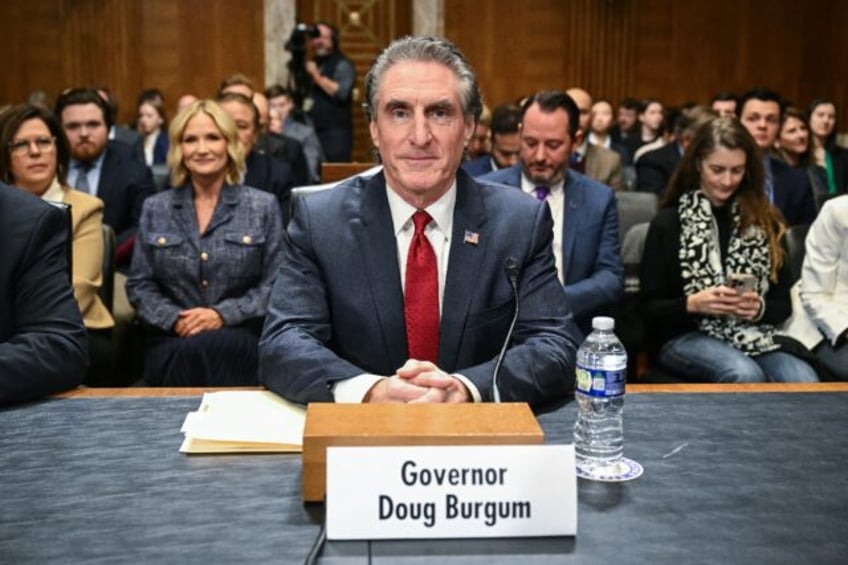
[43, 346]
[760, 111]
[506, 121]
[585, 239]
[103, 168]
[370, 263]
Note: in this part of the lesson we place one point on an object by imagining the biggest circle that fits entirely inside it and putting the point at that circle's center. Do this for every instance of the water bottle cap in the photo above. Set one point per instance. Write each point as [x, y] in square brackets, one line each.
[603, 323]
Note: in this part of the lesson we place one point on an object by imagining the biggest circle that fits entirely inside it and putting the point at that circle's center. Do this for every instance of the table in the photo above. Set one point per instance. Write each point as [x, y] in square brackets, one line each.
[733, 474]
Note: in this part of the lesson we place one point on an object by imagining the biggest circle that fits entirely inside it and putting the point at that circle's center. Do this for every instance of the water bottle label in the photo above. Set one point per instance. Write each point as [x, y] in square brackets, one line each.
[603, 384]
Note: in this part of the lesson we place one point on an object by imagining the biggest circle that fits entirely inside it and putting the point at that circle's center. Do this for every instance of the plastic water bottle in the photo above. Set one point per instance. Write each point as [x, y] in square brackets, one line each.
[601, 374]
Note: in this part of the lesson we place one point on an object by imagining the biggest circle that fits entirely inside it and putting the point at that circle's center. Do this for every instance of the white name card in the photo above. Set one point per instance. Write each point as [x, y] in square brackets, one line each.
[451, 492]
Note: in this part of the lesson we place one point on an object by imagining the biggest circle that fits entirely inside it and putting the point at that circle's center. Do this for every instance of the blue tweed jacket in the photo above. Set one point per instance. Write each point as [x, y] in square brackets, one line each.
[231, 267]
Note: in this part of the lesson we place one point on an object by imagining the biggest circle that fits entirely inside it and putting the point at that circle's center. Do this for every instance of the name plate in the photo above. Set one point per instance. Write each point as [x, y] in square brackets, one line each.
[451, 492]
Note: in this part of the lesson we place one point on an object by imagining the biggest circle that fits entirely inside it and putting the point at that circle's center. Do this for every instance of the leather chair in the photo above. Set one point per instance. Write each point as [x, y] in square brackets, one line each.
[796, 237]
[107, 287]
[634, 208]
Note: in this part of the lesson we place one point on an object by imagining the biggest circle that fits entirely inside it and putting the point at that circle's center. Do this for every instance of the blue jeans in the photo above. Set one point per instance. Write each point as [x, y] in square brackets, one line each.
[699, 357]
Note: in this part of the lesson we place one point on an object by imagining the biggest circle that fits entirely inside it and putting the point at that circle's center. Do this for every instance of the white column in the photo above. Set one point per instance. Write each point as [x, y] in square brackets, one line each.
[428, 17]
[279, 22]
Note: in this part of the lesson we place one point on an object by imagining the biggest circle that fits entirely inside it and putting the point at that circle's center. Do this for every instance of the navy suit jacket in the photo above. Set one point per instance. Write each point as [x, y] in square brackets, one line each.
[479, 166]
[793, 194]
[271, 175]
[591, 248]
[655, 168]
[336, 310]
[124, 184]
[42, 339]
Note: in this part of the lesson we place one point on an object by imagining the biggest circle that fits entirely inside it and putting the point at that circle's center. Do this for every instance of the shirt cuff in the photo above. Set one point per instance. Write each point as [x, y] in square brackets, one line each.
[353, 390]
[475, 394]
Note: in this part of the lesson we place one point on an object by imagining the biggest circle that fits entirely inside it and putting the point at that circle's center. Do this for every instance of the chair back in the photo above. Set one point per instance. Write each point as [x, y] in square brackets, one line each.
[634, 208]
[107, 286]
[796, 237]
[161, 176]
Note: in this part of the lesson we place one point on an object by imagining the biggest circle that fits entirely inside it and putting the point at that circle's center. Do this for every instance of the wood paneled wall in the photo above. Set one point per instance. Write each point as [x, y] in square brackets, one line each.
[178, 46]
[676, 50]
[673, 49]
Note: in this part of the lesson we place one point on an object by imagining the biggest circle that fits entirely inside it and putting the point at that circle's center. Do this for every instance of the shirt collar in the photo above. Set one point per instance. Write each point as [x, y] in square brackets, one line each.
[54, 192]
[441, 211]
[529, 186]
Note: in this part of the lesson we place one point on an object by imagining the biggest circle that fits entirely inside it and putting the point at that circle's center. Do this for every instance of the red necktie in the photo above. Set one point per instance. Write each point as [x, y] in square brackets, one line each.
[421, 297]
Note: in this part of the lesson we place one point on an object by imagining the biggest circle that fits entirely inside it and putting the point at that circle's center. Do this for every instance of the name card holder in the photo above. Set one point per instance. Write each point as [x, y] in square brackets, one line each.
[488, 491]
[329, 424]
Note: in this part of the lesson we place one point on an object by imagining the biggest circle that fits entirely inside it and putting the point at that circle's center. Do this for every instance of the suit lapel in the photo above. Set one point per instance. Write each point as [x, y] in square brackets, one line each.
[463, 267]
[573, 199]
[372, 224]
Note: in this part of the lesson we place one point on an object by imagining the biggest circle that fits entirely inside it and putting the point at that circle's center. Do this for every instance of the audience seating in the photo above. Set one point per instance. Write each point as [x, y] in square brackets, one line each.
[634, 208]
[107, 287]
[796, 237]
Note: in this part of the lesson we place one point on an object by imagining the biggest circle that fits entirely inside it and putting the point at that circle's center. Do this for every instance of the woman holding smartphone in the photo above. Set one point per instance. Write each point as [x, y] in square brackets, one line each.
[714, 273]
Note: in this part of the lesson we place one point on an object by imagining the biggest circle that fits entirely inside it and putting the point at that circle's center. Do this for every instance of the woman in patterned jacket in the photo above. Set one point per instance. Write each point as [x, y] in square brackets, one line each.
[714, 273]
[205, 259]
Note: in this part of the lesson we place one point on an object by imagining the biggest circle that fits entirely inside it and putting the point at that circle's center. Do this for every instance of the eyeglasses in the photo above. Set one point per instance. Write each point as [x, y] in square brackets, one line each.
[42, 144]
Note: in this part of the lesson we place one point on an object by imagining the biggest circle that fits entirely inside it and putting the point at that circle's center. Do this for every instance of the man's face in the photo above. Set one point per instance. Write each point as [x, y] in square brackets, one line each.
[323, 44]
[86, 130]
[626, 118]
[420, 130]
[762, 120]
[243, 117]
[545, 145]
[724, 108]
[479, 143]
[584, 104]
[601, 117]
[283, 105]
[506, 149]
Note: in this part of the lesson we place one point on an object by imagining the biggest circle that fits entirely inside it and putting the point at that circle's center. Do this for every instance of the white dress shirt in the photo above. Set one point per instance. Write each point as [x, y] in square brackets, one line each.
[556, 201]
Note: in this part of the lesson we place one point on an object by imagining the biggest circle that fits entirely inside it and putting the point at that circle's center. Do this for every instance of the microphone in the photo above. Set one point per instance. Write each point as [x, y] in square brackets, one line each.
[513, 271]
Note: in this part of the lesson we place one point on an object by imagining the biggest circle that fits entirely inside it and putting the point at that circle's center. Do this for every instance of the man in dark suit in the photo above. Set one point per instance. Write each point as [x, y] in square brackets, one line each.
[43, 346]
[398, 287]
[506, 121]
[103, 168]
[262, 171]
[760, 111]
[655, 168]
[585, 239]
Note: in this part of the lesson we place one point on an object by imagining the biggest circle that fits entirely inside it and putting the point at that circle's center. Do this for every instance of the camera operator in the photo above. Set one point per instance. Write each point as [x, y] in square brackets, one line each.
[329, 101]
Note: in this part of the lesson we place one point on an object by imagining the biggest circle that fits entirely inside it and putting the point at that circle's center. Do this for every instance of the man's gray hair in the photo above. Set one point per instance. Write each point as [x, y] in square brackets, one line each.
[425, 49]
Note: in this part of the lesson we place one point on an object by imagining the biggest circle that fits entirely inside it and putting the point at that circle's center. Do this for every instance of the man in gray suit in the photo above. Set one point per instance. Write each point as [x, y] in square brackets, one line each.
[400, 287]
[596, 162]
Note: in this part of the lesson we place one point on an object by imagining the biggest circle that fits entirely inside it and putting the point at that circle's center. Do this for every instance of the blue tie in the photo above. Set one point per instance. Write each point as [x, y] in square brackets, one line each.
[81, 183]
[769, 180]
[541, 193]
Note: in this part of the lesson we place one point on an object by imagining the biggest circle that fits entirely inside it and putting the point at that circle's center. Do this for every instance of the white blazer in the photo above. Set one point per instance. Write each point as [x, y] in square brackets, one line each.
[820, 298]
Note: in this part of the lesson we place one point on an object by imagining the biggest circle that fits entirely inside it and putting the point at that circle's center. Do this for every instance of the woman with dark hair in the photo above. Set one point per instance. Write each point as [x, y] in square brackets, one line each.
[714, 273]
[35, 158]
[795, 147]
[830, 160]
[205, 259]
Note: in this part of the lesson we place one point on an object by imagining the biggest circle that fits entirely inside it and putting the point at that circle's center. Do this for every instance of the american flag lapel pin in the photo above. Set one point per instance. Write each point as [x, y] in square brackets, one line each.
[471, 237]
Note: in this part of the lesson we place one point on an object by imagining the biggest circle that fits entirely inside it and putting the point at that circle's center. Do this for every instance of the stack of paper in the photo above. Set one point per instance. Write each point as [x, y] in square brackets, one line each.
[244, 421]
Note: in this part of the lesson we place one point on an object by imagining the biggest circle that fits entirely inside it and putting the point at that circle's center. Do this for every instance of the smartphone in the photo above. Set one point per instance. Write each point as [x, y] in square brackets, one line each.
[742, 282]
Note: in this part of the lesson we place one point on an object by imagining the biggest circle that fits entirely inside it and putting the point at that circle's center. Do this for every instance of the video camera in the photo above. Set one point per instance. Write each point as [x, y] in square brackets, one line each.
[297, 40]
[299, 82]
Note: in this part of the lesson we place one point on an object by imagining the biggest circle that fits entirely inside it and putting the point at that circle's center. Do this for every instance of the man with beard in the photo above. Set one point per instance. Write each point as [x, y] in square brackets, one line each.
[583, 209]
[103, 168]
[328, 104]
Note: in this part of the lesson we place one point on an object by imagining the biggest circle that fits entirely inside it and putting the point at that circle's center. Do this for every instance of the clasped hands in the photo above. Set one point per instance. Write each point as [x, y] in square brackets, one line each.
[725, 301]
[195, 320]
[419, 382]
